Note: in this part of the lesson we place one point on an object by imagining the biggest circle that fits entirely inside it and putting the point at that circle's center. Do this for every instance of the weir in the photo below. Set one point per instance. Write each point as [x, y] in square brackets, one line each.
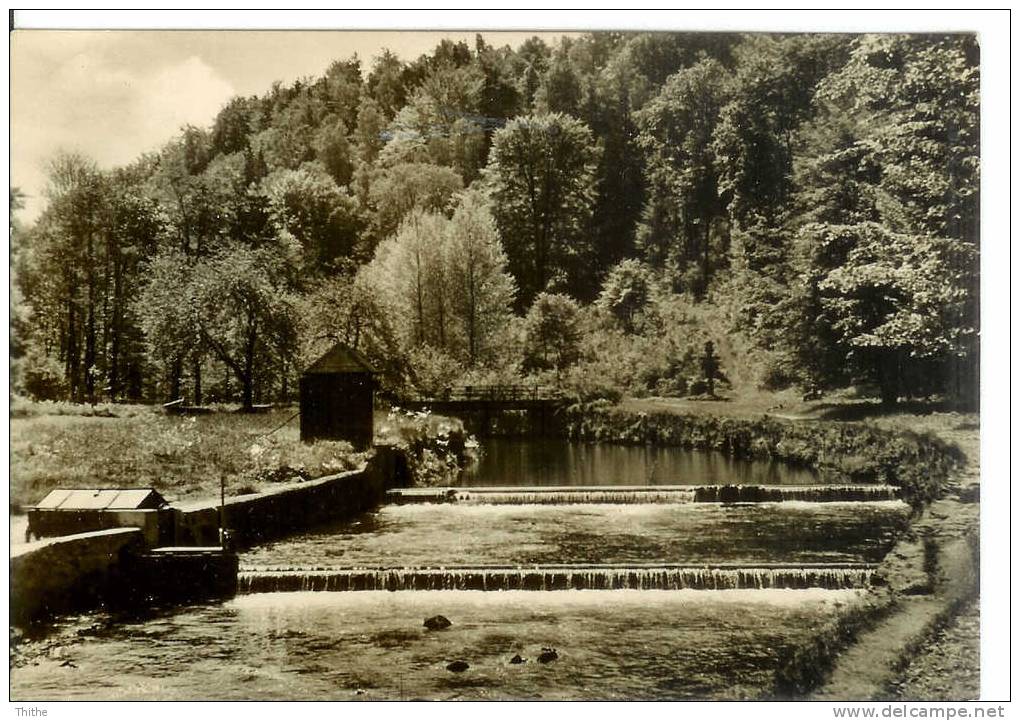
[564, 495]
[671, 577]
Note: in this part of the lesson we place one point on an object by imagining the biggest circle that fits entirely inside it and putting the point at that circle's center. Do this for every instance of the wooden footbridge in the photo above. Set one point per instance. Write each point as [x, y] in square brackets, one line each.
[487, 399]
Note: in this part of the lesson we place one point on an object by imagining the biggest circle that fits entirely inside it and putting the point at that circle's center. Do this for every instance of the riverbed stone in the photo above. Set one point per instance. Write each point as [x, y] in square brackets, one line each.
[458, 666]
[437, 623]
[548, 655]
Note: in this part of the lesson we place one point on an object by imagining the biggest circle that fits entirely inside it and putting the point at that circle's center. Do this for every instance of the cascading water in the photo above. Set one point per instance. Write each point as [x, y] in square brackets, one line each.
[566, 495]
[556, 578]
[653, 592]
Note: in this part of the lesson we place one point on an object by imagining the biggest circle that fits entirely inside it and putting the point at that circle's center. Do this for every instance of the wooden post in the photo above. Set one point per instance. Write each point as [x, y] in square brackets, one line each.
[223, 512]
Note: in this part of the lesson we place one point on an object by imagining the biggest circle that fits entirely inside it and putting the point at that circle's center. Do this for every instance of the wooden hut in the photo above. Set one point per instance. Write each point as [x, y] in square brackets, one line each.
[336, 398]
[79, 510]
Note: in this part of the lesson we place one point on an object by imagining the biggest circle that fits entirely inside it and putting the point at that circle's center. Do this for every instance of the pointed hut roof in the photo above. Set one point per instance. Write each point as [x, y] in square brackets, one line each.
[341, 359]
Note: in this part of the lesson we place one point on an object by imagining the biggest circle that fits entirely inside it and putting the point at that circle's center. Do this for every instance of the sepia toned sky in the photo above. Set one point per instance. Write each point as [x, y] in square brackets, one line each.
[115, 94]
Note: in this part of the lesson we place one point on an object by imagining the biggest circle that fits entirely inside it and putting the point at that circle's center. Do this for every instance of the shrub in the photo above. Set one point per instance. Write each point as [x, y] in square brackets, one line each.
[552, 332]
[434, 370]
[43, 376]
[697, 387]
[436, 446]
[779, 373]
[626, 291]
[672, 387]
[275, 459]
[582, 385]
[22, 407]
[499, 376]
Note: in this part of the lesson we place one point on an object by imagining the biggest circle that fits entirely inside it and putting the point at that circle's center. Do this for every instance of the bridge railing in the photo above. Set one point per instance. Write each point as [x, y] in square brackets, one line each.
[503, 393]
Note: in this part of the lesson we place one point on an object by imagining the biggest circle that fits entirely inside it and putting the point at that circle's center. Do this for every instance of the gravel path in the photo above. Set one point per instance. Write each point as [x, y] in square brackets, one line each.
[947, 667]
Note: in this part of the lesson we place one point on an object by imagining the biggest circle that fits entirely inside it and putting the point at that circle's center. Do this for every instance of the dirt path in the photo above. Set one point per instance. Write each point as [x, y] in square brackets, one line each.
[947, 666]
[864, 670]
[932, 573]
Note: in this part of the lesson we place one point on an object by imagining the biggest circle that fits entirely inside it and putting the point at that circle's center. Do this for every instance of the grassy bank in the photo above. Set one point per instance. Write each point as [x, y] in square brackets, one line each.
[60, 445]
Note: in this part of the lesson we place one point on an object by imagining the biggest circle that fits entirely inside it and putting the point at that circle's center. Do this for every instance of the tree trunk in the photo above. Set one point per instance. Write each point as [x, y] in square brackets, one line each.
[420, 300]
[72, 363]
[196, 371]
[115, 331]
[441, 312]
[472, 320]
[108, 312]
[90, 323]
[248, 399]
[249, 366]
[175, 379]
[888, 377]
[90, 354]
[705, 249]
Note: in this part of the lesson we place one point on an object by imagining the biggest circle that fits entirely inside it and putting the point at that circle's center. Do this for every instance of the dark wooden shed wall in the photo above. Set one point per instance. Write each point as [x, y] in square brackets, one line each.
[337, 406]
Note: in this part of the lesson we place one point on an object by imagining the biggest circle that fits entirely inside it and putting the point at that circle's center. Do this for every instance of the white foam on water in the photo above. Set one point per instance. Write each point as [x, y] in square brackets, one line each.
[546, 599]
[889, 505]
[491, 510]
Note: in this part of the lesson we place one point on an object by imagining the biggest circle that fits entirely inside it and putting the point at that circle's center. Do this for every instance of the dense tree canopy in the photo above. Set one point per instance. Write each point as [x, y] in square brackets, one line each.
[589, 212]
[888, 208]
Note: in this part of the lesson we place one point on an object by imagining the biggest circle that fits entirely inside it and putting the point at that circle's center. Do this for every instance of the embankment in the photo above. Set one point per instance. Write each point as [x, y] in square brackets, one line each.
[930, 575]
[922, 583]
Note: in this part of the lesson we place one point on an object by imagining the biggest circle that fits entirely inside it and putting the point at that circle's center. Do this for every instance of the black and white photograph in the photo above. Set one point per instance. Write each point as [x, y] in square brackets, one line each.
[520, 363]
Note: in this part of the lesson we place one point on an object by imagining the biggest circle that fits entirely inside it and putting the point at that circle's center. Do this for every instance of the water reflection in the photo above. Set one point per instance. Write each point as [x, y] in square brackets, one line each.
[515, 462]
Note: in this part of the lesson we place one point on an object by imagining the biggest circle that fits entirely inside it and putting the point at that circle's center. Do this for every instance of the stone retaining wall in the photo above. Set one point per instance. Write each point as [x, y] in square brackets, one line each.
[69, 573]
[290, 508]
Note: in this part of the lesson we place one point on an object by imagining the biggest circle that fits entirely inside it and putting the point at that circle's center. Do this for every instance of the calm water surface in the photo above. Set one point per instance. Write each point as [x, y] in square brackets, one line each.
[515, 462]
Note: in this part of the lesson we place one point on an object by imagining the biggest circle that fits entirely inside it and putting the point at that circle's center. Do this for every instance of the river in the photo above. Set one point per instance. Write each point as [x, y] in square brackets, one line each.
[610, 644]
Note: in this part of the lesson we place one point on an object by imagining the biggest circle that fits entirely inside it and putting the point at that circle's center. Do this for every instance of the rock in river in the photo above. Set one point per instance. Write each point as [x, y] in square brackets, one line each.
[457, 666]
[517, 659]
[437, 623]
[547, 655]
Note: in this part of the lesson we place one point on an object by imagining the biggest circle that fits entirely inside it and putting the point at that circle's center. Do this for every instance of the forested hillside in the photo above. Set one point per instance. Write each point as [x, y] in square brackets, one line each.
[585, 215]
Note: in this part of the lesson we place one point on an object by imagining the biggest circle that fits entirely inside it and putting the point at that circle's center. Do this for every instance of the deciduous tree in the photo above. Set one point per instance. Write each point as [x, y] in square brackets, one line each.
[541, 170]
[481, 290]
